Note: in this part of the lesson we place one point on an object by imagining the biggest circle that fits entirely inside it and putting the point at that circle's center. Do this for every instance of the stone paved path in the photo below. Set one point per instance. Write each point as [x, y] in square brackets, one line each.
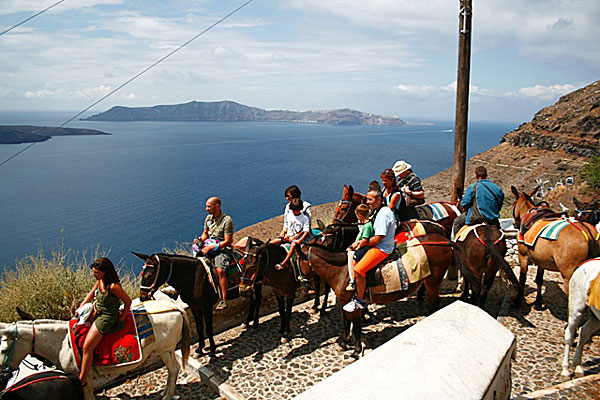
[257, 366]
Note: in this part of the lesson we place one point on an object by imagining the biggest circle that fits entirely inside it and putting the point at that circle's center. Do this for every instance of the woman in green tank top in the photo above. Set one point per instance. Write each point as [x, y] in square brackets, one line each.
[107, 295]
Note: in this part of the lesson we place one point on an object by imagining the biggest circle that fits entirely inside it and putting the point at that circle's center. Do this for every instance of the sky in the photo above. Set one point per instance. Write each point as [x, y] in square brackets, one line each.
[388, 57]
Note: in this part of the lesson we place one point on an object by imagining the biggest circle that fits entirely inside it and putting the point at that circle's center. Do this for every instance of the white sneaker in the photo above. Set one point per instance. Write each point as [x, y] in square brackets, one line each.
[351, 306]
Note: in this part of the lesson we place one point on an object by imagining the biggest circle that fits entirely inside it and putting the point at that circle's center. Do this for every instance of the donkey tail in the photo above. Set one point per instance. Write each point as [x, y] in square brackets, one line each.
[185, 336]
[503, 266]
[461, 262]
[593, 246]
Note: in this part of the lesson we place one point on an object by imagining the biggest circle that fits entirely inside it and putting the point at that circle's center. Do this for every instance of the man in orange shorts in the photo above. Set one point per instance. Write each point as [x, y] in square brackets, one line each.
[381, 245]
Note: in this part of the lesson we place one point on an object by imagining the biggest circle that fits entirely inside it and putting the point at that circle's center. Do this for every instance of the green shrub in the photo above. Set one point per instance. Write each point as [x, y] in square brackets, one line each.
[52, 287]
[591, 173]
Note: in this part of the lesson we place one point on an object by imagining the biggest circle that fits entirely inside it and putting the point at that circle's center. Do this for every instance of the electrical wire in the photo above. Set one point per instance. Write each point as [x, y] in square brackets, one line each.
[32, 17]
[136, 76]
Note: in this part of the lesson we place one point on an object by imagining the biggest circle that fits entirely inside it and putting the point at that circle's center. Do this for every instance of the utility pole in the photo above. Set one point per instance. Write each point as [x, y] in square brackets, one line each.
[462, 100]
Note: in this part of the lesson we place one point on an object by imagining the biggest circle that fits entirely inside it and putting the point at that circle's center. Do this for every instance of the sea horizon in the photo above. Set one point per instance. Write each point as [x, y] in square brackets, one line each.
[144, 187]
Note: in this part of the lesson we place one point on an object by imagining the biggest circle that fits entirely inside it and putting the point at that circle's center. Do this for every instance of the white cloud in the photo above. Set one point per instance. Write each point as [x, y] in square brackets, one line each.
[34, 6]
[65, 94]
[543, 92]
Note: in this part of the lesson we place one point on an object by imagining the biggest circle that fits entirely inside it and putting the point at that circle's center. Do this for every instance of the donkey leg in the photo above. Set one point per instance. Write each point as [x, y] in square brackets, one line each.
[523, 265]
[591, 326]
[168, 357]
[577, 306]
[317, 300]
[539, 281]
[421, 293]
[197, 312]
[208, 321]
[258, 300]
[433, 298]
[357, 331]
[324, 306]
[344, 338]
[281, 307]
[288, 311]
[251, 308]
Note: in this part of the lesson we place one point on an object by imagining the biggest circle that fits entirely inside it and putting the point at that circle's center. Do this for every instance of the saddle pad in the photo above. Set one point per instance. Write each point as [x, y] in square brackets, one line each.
[393, 278]
[530, 237]
[463, 232]
[551, 232]
[414, 259]
[593, 298]
[434, 211]
[144, 325]
[293, 262]
[115, 349]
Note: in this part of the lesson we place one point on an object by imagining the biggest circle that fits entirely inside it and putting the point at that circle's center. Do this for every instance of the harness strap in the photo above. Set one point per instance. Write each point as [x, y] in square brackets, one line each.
[20, 386]
[482, 242]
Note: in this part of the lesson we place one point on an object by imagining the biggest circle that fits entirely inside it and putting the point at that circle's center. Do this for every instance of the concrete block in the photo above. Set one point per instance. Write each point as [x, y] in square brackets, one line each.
[460, 352]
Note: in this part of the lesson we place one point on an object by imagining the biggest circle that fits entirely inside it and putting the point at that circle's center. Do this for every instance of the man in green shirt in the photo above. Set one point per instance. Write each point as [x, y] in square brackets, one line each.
[215, 243]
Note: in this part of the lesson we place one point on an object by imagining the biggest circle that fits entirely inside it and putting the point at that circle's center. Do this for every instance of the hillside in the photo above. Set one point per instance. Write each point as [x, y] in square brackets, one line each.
[15, 134]
[229, 111]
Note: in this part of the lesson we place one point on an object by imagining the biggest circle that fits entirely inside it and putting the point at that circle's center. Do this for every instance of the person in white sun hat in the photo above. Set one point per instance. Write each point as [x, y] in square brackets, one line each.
[410, 184]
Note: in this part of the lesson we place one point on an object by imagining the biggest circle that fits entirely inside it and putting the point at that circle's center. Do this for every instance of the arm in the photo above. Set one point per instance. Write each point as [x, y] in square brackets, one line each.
[414, 194]
[90, 296]
[394, 201]
[118, 291]
[374, 241]
[301, 237]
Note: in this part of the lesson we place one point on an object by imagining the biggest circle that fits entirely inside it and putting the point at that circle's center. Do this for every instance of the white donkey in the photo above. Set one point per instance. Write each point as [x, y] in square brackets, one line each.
[579, 300]
[49, 339]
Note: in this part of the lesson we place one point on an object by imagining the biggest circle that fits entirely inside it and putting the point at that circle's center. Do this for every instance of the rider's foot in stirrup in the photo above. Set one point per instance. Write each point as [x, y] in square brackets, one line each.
[355, 304]
[222, 305]
[351, 286]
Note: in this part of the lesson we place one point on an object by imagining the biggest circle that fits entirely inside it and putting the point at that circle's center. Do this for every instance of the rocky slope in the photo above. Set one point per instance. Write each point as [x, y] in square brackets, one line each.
[229, 111]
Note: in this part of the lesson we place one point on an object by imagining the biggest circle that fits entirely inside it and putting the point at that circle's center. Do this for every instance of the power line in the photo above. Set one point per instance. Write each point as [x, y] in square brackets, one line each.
[32, 17]
[137, 75]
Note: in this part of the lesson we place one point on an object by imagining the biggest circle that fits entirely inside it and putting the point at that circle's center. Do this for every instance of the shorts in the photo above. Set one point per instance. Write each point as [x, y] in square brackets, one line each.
[360, 253]
[370, 260]
[223, 259]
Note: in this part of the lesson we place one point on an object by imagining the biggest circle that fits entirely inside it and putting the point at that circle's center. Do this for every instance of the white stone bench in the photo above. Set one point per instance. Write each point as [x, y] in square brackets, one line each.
[460, 352]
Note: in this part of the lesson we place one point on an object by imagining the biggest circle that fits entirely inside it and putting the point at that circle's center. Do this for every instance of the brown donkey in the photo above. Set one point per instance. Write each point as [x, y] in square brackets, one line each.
[484, 248]
[331, 266]
[576, 243]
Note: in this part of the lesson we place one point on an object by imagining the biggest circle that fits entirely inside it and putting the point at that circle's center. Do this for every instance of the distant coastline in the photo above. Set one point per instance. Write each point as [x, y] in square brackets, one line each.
[230, 111]
[16, 134]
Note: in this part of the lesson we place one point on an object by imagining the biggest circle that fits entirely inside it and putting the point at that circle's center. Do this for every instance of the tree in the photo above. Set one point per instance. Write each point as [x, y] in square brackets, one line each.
[591, 173]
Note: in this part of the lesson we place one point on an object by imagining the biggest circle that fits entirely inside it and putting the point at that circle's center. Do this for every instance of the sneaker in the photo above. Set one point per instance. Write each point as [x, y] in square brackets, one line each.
[354, 305]
[222, 305]
[279, 267]
[351, 286]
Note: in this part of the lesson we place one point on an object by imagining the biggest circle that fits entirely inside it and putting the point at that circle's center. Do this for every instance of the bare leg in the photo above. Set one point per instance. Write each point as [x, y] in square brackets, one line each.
[91, 341]
[222, 282]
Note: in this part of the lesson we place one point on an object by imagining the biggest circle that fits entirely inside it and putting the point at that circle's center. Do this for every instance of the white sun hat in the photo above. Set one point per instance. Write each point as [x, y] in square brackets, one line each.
[401, 166]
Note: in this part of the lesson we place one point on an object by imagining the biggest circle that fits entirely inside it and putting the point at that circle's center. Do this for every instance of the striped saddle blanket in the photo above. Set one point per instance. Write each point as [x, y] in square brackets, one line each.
[545, 229]
[435, 211]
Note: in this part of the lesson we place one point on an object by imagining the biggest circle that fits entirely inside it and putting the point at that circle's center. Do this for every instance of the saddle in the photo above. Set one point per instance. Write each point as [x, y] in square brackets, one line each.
[233, 275]
[537, 214]
[120, 347]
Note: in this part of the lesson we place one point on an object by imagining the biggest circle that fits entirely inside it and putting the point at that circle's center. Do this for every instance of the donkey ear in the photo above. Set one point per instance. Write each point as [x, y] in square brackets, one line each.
[140, 255]
[515, 191]
[321, 225]
[25, 316]
[350, 190]
[534, 190]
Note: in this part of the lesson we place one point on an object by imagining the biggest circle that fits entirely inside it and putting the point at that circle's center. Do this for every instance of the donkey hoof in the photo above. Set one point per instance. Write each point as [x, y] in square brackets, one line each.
[538, 306]
[355, 354]
[284, 340]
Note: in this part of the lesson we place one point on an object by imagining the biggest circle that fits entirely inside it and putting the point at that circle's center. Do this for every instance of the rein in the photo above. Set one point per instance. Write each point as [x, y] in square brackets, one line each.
[152, 288]
[339, 207]
[258, 271]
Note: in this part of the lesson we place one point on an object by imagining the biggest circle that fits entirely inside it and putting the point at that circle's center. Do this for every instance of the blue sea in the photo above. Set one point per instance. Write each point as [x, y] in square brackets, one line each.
[145, 186]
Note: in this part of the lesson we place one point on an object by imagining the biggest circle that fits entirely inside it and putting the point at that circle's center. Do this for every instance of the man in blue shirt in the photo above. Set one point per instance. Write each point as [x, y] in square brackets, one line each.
[481, 203]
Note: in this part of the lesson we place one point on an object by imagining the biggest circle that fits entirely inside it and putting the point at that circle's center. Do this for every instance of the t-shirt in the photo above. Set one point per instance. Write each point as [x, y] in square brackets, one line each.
[219, 228]
[296, 224]
[366, 231]
[412, 181]
[385, 225]
[306, 210]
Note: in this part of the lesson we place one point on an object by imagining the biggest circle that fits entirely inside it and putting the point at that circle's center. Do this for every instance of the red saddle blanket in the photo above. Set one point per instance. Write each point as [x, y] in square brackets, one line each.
[115, 349]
